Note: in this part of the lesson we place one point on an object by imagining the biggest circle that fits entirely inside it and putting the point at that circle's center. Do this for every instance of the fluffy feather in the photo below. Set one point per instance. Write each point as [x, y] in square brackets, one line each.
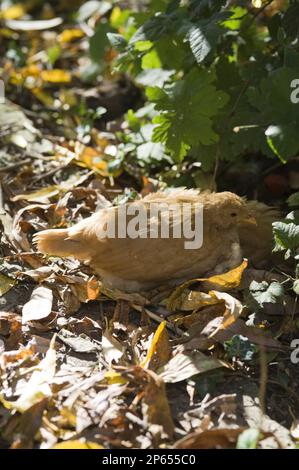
[143, 263]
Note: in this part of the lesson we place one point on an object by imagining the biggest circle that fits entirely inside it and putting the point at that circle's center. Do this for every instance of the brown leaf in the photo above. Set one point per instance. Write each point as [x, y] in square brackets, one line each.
[6, 283]
[255, 335]
[184, 365]
[155, 404]
[211, 439]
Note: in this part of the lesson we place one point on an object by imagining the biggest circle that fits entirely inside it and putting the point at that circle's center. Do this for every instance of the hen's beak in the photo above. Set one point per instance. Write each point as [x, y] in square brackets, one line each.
[250, 220]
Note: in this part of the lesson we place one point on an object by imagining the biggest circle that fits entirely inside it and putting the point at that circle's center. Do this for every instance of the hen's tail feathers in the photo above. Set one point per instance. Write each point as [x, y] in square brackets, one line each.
[55, 242]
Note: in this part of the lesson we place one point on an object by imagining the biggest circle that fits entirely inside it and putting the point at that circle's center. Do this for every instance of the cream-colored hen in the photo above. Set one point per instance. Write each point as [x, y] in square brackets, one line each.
[143, 263]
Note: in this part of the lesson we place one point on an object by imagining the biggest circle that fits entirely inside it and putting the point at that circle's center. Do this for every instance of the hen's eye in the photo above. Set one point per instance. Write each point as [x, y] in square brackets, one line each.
[234, 214]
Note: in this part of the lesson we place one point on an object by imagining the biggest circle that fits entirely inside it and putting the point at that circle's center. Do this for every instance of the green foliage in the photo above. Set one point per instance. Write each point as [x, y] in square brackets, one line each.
[186, 110]
[220, 76]
[294, 200]
[249, 439]
[264, 293]
[286, 236]
[99, 42]
[240, 347]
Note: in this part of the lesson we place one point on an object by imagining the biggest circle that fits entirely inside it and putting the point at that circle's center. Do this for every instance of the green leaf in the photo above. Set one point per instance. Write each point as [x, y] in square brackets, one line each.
[283, 140]
[99, 42]
[273, 100]
[153, 29]
[54, 53]
[296, 287]
[154, 77]
[117, 41]
[286, 235]
[293, 200]
[202, 37]
[264, 293]
[151, 60]
[150, 151]
[234, 22]
[240, 346]
[248, 439]
[187, 108]
[290, 21]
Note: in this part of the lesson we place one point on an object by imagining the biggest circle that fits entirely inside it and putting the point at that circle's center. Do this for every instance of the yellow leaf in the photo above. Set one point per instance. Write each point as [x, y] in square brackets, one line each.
[233, 310]
[6, 283]
[7, 404]
[69, 35]
[44, 194]
[55, 76]
[113, 377]
[229, 280]
[92, 159]
[41, 195]
[257, 3]
[153, 346]
[7, 33]
[76, 444]
[193, 300]
[14, 12]
[69, 417]
[39, 385]
[43, 97]
[115, 16]
[30, 71]
[93, 289]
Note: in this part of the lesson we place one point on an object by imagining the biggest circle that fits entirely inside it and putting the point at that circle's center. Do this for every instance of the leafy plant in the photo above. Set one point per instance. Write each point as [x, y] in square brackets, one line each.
[286, 234]
[239, 346]
[219, 75]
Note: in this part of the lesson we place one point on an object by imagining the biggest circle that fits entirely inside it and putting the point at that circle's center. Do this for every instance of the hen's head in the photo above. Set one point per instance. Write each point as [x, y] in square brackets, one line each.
[228, 209]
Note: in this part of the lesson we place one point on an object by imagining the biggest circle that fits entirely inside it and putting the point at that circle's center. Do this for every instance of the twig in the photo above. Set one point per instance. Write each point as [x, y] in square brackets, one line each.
[158, 319]
[255, 15]
[13, 166]
[2, 210]
[263, 380]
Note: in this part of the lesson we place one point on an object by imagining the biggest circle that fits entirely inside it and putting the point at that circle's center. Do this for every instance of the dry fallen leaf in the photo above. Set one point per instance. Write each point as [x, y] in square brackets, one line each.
[112, 349]
[55, 76]
[41, 195]
[6, 283]
[39, 305]
[184, 365]
[13, 12]
[92, 159]
[210, 439]
[233, 306]
[155, 404]
[69, 35]
[39, 384]
[153, 345]
[229, 280]
[77, 444]
[215, 330]
[194, 299]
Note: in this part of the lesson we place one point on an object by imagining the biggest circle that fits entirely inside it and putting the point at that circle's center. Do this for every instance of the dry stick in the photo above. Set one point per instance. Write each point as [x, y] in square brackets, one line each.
[14, 166]
[263, 380]
[2, 210]
[173, 329]
[22, 253]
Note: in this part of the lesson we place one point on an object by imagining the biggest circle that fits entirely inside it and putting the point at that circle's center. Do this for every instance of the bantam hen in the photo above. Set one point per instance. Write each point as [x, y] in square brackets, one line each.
[148, 260]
